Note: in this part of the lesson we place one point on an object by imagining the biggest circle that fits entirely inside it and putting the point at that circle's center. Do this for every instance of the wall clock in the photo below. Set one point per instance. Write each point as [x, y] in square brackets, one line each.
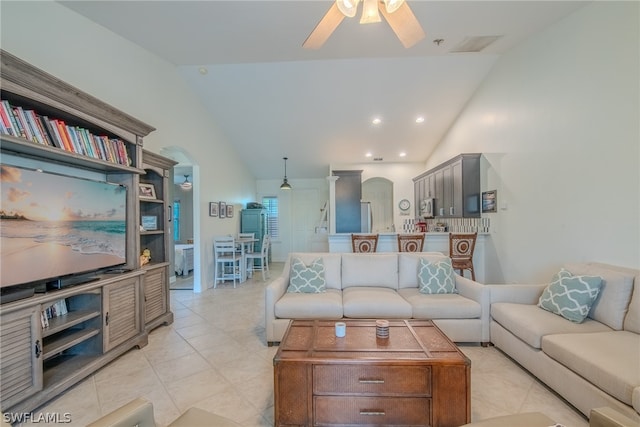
[404, 205]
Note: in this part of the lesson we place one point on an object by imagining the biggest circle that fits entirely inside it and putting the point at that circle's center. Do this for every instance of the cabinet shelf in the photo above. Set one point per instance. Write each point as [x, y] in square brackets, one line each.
[65, 321]
[13, 144]
[67, 339]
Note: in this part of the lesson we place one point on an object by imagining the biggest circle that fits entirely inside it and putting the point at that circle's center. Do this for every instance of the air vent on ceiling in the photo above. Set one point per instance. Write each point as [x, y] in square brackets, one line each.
[474, 44]
[378, 159]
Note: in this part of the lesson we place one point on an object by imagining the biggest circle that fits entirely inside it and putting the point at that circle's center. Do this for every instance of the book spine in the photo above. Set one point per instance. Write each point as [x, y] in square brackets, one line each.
[46, 124]
[63, 135]
[21, 124]
[30, 115]
[6, 121]
[12, 118]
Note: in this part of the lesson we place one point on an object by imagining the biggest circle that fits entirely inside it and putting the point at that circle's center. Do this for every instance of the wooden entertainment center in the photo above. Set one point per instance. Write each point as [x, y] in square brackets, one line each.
[113, 310]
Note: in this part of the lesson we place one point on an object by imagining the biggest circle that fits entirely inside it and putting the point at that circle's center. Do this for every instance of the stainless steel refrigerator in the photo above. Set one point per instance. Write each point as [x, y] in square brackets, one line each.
[365, 217]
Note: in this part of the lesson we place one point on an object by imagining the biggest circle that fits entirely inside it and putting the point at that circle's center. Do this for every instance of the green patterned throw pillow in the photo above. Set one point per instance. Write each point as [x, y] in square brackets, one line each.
[570, 296]
[436, 277]
[307, 279]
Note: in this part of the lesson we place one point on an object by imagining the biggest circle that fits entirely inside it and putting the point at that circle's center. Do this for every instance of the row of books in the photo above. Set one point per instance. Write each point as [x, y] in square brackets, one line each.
[56, 309]
[20, 122]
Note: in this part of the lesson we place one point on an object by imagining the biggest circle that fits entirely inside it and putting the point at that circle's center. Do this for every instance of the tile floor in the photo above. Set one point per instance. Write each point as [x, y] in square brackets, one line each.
[214, 357]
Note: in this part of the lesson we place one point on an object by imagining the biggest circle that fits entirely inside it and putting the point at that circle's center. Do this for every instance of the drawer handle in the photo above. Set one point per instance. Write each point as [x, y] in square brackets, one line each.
[374, 413]
[370, 381]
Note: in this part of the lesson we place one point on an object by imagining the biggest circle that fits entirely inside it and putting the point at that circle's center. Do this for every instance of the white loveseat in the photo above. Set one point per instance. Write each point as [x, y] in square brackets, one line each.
[591, 364]
[378, 286]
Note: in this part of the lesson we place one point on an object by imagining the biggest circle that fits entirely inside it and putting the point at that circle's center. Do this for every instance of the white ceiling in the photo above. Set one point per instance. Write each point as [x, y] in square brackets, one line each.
[272, 98]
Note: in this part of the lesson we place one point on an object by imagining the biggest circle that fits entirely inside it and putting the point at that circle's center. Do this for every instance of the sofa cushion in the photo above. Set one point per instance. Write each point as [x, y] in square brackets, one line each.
[332, 266]
[440, 306]
[608, 360]
[408, 265]
[632, 320]
[570, 296]
[307, 278]
[436, 277]
[327, 305]
[374, 302]
[530, 323]
[371, 270]
[612, 303]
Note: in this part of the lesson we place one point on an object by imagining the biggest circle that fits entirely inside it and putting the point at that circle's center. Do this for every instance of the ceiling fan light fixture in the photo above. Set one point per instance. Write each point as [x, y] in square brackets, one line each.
[349, 8]
[392, 5]
[186, 185]
[285, 184]
[370, 12]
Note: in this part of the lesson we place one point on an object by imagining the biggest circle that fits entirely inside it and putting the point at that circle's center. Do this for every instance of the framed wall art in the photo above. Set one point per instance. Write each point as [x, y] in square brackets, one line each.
[229, 211]
[213, 208]
[223, 210]
[146, 191]
[489, 201]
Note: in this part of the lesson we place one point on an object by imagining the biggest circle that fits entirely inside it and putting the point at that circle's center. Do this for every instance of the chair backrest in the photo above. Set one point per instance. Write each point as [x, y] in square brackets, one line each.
[410, 242]
[364, 242]
[224, 244]
[461, 245]
[247, 235]
[266, 240]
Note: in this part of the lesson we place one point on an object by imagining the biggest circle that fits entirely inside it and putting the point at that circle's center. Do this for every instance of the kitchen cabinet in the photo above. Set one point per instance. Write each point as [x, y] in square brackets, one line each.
[455, 186]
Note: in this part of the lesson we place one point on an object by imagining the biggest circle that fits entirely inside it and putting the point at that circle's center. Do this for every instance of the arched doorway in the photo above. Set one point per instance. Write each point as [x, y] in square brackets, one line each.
[379, 192]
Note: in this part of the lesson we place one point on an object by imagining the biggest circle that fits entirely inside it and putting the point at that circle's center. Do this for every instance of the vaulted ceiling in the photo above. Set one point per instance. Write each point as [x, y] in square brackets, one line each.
[272, 98]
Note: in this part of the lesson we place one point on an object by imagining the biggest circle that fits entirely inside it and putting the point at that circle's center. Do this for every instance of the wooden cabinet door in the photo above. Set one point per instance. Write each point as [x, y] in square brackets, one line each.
[21, 350]
[122, 317]
[155, 294]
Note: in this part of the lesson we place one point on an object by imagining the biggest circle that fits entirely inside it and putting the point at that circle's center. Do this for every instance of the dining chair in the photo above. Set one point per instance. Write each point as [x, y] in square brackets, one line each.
[227, 261]
[364, 242]
[461, 246]
[259, 260]
[248, 248]
[410, 242]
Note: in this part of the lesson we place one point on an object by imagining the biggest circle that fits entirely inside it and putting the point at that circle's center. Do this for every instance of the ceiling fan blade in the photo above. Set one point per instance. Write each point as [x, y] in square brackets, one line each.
[404, 23]
[324, 29]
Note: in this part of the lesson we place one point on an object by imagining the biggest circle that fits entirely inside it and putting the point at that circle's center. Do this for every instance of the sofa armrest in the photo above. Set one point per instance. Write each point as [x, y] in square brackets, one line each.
[520, 294]
[272, 293]
[609, 417]
[480, 294]
[138, 412]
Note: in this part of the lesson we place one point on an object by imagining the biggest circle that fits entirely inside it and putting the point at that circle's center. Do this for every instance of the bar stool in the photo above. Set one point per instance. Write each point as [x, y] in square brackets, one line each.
[461, 246]
[364, 243]
[410, 242]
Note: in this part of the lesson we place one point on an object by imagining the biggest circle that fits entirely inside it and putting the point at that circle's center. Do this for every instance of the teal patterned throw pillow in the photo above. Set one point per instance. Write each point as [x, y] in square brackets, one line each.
[570, 296]
[307, 279]
[436, 277]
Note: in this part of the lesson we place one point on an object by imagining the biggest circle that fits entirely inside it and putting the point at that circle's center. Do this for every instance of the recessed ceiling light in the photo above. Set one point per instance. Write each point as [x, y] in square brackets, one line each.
[369, 155]
[420, 119]
[376, 121]
[203, 70]
[403, 154]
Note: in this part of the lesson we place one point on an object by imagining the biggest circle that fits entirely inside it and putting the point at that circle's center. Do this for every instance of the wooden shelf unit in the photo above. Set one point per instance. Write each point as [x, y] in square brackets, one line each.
[105, 316]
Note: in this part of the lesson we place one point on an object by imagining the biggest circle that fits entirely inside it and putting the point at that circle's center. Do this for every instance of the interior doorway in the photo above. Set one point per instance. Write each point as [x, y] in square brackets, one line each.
[379, 192]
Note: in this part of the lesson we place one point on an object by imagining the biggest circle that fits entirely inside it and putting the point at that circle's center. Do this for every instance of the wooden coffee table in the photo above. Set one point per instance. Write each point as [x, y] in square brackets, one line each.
[416, 377]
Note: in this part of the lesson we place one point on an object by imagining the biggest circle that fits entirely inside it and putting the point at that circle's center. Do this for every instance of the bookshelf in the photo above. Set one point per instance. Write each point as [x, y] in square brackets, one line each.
[157, 237]
[93, 322]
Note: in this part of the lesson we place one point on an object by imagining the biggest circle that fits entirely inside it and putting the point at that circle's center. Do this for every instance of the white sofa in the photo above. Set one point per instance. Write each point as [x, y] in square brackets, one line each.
[591, 364]
[378, 286]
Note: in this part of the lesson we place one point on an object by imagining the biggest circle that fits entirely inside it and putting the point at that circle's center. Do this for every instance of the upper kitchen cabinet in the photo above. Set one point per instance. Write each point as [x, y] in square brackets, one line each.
[454, 186]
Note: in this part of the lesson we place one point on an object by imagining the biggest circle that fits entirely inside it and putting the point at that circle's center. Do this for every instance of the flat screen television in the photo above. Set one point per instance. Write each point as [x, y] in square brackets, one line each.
[55, 226]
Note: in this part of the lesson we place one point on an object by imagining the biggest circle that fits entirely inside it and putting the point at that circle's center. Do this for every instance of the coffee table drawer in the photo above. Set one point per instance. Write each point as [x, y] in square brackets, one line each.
[372, 379]
[382, 411]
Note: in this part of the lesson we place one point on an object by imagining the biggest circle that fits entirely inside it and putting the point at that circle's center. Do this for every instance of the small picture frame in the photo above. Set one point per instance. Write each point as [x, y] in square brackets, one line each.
[213, 208]
[146, 191]
[149, 222]
[229, 211]
[489, 201]
[223, 210]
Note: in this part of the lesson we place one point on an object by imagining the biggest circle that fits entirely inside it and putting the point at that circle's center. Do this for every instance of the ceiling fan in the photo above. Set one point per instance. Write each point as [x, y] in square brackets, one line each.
[397, 13]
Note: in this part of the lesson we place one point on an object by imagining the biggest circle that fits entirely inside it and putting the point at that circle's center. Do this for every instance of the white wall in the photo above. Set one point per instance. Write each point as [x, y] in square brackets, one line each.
[137, 82]
[558, 121]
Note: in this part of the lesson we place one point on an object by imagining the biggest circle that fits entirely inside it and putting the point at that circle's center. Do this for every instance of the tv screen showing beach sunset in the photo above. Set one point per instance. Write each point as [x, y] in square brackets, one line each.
[53, 225]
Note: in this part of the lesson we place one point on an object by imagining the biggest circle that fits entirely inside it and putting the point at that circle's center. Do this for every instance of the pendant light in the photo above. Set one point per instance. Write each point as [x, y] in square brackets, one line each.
[285, 184]
[186, 185]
